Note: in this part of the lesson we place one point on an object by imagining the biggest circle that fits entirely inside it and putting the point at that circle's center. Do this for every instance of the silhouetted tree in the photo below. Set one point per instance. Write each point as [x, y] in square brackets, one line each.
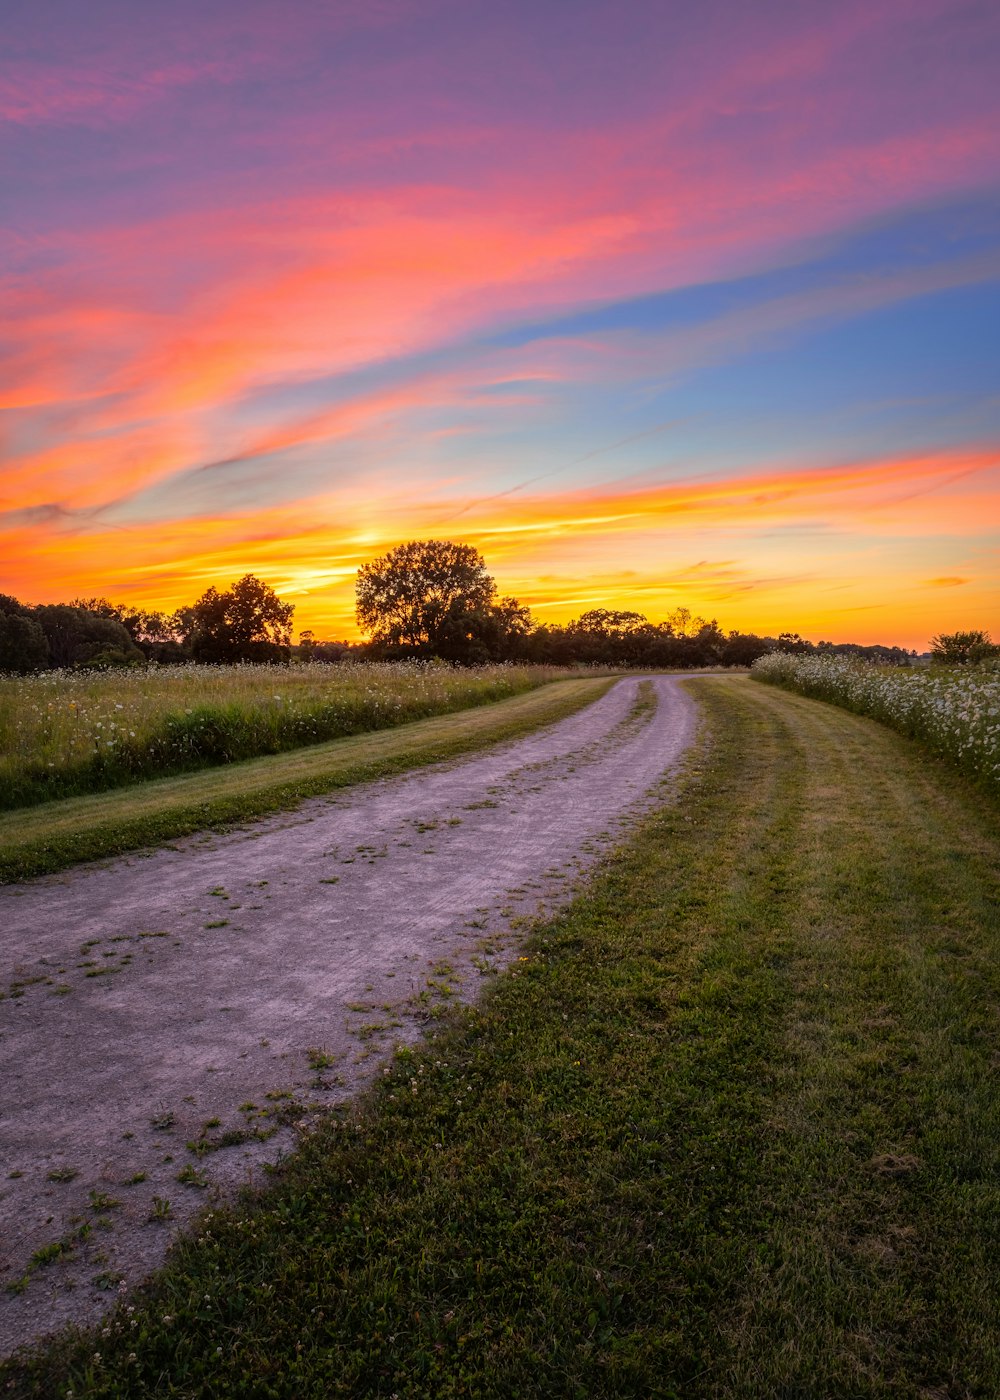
[427, 596]
[79, 637]
[792, 642]
[962, 648]
[247, 622]
[154, 633]
[610, 636]
[23, 645]
[743, 648]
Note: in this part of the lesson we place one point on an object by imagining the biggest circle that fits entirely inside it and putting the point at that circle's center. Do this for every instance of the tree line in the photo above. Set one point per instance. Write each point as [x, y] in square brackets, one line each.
[247, 622]
[424, 599]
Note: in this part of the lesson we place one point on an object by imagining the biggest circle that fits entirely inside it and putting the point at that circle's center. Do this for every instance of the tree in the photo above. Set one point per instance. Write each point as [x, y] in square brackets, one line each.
[610, 637]
[430, 596]
[683, 623]
[248, 622]
[23, 646]
[743, 648]
[154, 633]
[607, 622]
[79, 637]
[507, 628]
[962, 648]
[793, 643]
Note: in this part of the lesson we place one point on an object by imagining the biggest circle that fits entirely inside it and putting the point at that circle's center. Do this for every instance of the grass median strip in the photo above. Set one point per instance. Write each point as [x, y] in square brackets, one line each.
[37, 840]
[730, 1127]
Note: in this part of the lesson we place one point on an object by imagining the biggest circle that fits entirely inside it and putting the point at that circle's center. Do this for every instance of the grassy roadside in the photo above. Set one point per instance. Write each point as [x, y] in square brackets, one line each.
[731, 1128]
[71, 733]
[38, 840]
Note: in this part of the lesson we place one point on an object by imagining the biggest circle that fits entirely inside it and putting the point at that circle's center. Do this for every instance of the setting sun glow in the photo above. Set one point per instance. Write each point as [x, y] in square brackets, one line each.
[655, 306]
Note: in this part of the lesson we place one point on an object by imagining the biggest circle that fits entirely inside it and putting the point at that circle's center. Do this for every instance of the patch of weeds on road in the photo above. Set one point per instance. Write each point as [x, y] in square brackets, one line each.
[19, 987]
[192, 1176]
[218, 923]
[369, 1029]
[162, 1121]
[372, 853]
[100, 1202]
[63, 1174]
[204, 1144]
[49, 1253]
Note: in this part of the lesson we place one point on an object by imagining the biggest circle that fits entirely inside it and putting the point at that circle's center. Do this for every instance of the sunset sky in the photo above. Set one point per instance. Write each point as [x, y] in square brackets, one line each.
[655, 303]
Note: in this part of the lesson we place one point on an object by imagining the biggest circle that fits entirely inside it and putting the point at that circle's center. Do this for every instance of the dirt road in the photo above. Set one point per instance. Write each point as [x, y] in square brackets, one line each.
[219, 992]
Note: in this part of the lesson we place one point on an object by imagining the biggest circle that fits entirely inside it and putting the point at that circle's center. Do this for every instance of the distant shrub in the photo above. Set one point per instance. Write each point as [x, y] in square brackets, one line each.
[962, 648]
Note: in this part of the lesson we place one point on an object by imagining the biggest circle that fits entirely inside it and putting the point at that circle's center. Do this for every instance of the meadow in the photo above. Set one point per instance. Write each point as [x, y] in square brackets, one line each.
[64, 733]
[728, 1128]
[954, 711]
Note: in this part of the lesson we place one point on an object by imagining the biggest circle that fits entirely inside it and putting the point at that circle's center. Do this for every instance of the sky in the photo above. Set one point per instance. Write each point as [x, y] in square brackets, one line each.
[656, 304]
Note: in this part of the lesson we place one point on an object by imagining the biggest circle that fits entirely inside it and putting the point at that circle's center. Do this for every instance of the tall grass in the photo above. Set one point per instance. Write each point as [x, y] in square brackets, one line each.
[63, 733]
[955, 712]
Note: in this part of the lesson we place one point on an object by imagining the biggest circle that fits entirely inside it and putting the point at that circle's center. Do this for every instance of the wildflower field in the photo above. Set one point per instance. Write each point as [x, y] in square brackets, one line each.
[955, 711]
[64, 733]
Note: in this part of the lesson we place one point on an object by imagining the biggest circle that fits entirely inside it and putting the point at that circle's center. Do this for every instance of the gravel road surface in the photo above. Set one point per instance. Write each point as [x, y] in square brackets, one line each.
[230, 986]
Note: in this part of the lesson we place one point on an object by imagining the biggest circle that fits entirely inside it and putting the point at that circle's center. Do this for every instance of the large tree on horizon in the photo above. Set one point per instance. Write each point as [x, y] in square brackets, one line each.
[430, 596]
[247, 622]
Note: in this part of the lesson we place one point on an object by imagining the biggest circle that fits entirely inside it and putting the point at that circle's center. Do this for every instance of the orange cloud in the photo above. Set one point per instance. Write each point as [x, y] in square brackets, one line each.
[797, 552]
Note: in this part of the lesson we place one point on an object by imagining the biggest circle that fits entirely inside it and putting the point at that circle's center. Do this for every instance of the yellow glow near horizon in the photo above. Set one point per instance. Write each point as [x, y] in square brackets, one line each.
[839, 553]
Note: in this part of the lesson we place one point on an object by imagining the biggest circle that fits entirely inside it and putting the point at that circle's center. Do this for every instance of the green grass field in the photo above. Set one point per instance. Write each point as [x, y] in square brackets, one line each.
[41, 839]
[953, 710]
[730, 1128]
[66, 733]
